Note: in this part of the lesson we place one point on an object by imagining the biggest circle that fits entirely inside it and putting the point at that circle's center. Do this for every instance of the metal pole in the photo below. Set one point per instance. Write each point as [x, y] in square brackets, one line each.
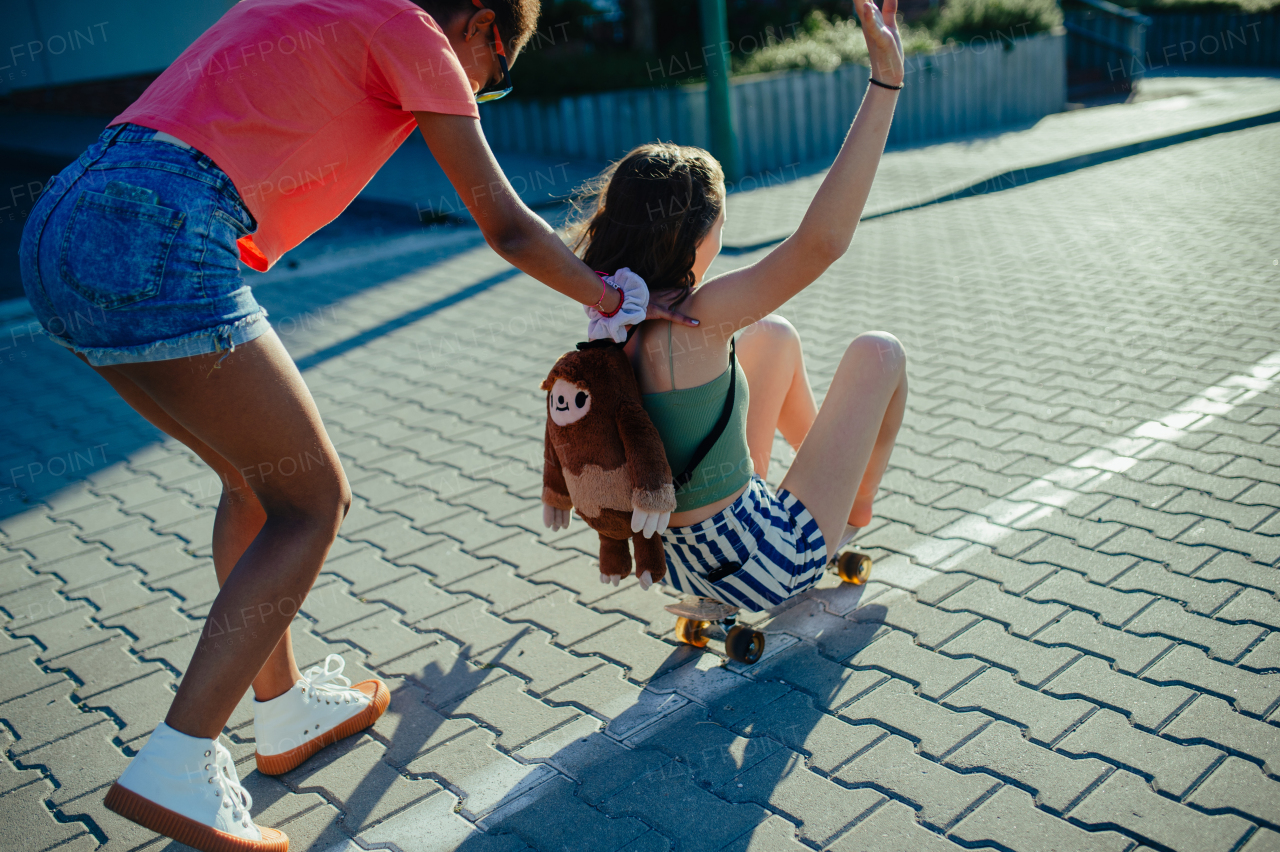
[716, 45]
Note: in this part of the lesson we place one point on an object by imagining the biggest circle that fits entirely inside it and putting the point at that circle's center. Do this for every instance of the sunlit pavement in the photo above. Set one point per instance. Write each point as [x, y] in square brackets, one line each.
[1069, 641]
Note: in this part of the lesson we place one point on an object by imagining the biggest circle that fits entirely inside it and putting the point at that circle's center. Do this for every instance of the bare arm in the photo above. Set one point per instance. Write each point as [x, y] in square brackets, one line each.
[510, 228]
[737, 299]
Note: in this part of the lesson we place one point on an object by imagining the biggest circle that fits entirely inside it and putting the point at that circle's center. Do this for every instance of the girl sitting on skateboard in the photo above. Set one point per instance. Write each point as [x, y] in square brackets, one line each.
[259, 134]
[661, 213]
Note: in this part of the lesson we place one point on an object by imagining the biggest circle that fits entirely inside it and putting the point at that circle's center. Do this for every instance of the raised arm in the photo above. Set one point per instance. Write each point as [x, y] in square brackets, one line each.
[737, 299]
[510, 228]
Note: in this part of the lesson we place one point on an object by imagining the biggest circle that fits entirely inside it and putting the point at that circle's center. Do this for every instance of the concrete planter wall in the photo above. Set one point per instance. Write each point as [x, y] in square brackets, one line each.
[794, 116]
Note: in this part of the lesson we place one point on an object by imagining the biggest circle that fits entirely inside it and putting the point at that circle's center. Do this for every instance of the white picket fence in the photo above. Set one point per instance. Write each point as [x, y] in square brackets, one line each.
[791, 117]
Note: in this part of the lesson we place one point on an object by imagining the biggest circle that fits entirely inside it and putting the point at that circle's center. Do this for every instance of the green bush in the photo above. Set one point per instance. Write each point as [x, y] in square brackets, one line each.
[824, 44]
[995, 20]
[1155, 7]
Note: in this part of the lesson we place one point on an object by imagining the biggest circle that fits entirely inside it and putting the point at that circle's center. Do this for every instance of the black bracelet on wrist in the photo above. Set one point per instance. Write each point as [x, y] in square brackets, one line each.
[884, 85]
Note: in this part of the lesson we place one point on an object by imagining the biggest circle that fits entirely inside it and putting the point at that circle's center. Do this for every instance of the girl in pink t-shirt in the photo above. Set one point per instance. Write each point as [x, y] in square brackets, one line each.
[259, 134]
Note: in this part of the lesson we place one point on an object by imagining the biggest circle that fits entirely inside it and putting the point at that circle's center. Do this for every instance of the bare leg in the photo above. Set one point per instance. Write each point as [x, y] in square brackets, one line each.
[838, 469]
[238, 520]
[256, 413]
[781, 399]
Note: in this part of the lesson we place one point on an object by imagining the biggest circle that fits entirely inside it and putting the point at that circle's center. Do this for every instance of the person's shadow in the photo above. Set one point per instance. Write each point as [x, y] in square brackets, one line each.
[703, 731]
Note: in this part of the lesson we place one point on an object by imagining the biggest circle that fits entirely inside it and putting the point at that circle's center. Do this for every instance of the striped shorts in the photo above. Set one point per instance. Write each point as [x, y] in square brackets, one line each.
[762, 550]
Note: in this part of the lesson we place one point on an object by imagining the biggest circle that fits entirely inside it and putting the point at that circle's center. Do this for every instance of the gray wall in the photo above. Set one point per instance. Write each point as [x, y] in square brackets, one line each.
[55, 42]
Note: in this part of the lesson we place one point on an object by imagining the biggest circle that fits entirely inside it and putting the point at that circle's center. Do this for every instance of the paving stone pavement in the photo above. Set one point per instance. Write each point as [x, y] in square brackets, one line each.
[1071, 639]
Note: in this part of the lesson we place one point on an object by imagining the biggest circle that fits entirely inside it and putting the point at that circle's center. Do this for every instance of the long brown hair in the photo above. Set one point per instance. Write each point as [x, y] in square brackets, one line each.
[649, 211]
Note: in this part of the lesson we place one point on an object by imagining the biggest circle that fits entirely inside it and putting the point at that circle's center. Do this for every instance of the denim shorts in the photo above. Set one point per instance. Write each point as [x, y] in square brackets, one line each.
[130, 253]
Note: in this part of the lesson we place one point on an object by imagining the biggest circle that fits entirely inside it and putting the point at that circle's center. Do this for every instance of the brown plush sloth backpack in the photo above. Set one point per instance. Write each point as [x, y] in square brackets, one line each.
[604, 456]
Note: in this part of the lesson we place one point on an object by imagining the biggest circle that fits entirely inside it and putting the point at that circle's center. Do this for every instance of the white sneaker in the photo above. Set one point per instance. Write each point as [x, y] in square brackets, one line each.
[322, 708]
[186, 788]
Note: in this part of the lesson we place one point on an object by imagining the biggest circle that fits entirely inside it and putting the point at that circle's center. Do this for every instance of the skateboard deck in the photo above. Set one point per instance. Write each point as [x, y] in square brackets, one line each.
[702, 609]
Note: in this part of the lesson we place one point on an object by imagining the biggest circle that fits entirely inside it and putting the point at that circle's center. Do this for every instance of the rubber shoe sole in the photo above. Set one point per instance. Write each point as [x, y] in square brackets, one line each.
[206, 838]
[380, 697]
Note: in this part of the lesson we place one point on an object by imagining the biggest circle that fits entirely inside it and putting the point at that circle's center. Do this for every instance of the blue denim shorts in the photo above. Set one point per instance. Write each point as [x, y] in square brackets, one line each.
[130, 254]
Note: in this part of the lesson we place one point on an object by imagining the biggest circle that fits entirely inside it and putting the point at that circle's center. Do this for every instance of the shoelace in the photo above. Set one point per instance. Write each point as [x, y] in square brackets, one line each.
[328, 684]
[222, 772]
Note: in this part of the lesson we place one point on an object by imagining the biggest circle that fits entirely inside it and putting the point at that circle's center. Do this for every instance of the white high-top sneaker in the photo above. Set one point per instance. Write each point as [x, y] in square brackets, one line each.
[187, 788]
[321, 708]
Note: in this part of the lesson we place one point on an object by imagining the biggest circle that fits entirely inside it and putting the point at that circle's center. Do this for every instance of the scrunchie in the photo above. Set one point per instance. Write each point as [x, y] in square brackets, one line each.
[635, 304]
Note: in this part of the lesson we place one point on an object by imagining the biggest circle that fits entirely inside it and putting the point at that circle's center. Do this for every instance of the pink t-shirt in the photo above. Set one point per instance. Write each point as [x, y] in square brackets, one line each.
[302, 101]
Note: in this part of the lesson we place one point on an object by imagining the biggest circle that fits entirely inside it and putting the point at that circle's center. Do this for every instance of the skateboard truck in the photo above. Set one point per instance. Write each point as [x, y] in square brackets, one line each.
[694, 625]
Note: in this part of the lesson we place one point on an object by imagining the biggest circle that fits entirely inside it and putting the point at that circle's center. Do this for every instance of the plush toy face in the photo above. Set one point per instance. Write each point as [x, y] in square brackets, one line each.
[568, 403]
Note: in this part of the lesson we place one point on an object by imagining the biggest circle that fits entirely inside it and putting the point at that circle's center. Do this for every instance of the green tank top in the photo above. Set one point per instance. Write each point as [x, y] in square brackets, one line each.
[685, 417]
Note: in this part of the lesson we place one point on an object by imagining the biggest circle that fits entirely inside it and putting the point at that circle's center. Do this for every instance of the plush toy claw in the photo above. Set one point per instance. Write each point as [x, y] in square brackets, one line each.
[649, 522]
[556, 519]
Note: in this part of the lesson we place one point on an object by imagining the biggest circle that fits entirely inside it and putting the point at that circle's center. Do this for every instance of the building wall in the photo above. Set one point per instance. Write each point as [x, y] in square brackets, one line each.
[59, 42]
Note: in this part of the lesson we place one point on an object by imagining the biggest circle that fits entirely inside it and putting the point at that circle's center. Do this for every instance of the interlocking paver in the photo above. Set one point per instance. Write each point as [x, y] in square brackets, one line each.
[354, 777]
[830, 684]
[1223, 641]
[1239, 787]
[1000, 749]
[1255, 694]
[560, 820]
[1010, 820]
[1031, 663]
[996, 693]
[1128, 653]
[1198, 596]
[1212, 720]
[1011, 576]
[1098, 567]
[677, 807]
[1112, 607]
[1172, 768]
[782, 784]
[895, 706]
[940, 794]
[828, 741]
[506, 708]
[1144, 703]
[1252, 606]
[1022, 617]
[1265, 656]
[1125, 801]
[933, 674]
[1263, 548]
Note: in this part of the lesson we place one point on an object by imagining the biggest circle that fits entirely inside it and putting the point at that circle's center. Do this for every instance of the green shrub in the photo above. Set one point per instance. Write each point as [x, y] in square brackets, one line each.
[995, 20]
[1155, 7]
[824, 44]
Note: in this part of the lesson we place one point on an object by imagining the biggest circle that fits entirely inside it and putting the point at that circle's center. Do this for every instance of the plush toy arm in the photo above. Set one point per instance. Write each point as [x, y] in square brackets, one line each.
[554, 490]
[653, 497]
[651, 487]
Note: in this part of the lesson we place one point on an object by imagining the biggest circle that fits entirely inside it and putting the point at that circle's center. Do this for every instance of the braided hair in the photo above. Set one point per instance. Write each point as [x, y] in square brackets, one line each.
[649, 211]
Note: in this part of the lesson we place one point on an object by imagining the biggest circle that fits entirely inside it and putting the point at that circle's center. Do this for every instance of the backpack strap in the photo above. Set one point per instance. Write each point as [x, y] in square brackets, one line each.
[718, 429]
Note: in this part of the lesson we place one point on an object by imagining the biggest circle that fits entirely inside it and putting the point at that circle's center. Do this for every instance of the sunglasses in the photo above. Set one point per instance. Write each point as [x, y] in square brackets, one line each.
[503, 87]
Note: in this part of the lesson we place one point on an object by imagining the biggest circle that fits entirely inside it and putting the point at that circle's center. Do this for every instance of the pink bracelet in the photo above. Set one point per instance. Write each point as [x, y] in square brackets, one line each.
[604, 288]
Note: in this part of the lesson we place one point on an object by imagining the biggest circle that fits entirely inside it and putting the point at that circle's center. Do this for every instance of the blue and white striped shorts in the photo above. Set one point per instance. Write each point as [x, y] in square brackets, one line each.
[762, 550]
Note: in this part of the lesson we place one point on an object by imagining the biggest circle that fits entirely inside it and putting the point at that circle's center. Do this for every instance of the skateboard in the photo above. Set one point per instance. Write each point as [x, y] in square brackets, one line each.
[698, 620]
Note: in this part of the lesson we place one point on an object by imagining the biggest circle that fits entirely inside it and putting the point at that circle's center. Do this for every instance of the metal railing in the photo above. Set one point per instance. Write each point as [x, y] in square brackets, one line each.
[1106, 45]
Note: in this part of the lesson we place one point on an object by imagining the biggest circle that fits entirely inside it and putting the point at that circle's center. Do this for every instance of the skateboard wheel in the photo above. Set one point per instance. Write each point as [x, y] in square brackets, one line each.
[744, 644]
[692, 632]
[853, 567]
